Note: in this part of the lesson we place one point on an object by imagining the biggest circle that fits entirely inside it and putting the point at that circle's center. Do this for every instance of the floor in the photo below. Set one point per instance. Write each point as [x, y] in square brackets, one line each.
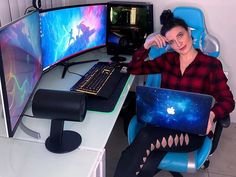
[222, 163]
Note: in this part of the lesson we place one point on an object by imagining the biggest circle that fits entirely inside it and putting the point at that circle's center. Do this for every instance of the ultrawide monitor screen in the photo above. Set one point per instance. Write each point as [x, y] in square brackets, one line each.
[69, 31]
[20, 66]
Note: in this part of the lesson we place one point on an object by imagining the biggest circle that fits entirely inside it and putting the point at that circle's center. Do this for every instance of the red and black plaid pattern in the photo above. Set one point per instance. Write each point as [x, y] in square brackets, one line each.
[204, 75]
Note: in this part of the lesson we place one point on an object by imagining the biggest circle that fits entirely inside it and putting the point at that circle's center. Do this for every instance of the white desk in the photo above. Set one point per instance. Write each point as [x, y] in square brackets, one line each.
[96, 127]
[28, 157]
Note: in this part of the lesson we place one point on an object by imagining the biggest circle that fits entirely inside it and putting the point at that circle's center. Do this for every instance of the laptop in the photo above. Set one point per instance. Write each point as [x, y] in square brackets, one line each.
[179, 110]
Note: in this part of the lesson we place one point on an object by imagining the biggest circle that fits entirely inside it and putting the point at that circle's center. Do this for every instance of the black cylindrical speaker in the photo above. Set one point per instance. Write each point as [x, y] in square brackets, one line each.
[56, 104]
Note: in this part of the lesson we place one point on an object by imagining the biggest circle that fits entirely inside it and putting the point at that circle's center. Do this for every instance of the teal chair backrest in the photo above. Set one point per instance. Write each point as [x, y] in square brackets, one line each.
[201, 39]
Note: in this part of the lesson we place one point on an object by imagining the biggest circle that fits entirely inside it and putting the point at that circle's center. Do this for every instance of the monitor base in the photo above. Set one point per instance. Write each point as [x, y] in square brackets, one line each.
[117, 58]
[29, 131]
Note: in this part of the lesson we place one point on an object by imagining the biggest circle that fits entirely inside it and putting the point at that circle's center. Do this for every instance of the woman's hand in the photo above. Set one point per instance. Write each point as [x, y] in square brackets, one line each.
[156, 39]
[210, 122]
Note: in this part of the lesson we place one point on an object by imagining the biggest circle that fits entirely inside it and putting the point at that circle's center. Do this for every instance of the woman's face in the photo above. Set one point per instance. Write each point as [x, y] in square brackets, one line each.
[179, 39]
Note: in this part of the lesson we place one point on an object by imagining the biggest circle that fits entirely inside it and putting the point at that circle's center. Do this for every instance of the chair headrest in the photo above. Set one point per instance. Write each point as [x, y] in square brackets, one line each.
[198, 38]
[194, 19]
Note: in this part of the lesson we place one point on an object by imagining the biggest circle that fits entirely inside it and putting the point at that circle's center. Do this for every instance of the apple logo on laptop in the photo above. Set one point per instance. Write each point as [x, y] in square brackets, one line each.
[171, 110]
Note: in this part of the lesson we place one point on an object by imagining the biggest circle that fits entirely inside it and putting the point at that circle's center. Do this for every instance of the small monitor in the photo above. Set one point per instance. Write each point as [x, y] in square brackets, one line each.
[132, 21]
[20, 67]
[69, 31]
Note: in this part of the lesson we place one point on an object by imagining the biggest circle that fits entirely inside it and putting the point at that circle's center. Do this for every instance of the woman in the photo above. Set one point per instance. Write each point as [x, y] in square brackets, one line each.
[185, 69]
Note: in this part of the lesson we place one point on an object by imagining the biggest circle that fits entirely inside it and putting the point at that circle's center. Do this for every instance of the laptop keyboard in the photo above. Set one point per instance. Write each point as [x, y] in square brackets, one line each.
[100, 80]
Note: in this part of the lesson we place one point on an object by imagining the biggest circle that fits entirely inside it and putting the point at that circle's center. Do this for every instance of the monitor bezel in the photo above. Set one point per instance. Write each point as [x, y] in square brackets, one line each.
[73, 56]
[4, 97]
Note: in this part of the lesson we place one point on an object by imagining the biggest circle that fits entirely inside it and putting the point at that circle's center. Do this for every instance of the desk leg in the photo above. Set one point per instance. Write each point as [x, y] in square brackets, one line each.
[100, 167]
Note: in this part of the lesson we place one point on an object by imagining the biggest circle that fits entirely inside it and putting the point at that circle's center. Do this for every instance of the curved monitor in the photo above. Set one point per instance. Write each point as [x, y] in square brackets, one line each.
[20, 67]
[68, 31]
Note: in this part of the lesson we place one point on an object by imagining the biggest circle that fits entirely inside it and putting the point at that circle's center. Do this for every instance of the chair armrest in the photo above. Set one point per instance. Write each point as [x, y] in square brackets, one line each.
[220, 124]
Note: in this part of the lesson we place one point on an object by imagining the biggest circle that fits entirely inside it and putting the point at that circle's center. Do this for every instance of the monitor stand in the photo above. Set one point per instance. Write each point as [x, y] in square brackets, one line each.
[69, 64]
[29, 131]
[117, 58]
[26, 129]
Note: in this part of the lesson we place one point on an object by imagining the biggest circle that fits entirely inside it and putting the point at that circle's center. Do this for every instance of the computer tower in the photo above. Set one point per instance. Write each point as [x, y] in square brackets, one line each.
[128, 25]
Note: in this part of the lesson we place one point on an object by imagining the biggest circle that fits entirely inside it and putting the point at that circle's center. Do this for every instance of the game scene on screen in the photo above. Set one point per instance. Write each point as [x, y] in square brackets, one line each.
[21, 61]
[69, 31]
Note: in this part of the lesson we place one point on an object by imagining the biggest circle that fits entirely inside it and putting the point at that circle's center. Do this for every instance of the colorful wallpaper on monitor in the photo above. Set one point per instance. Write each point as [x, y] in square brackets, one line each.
[21, 58]
[69, 31]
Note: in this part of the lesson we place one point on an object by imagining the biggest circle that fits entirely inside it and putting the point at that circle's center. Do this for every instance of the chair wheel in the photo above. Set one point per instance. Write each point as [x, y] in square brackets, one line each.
[206, 164]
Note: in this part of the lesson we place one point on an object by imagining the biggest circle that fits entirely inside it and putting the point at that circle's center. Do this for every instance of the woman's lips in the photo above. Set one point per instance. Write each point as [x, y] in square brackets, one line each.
[183, 48]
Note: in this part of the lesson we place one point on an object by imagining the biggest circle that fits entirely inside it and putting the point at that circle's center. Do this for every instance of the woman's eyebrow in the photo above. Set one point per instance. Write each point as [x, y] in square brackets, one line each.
[179, 33]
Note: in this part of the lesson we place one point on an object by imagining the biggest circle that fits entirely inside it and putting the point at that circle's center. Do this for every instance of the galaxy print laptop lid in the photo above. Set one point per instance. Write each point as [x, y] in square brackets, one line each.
[179, 110]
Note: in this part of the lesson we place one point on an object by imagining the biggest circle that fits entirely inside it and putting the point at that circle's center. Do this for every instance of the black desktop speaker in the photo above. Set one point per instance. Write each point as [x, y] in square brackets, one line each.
[36, 4]
[56, 104]
[60, 106]
[132, 21]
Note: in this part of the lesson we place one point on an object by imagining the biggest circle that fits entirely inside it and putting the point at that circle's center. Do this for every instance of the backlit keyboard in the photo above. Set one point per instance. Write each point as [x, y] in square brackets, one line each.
[100, 80]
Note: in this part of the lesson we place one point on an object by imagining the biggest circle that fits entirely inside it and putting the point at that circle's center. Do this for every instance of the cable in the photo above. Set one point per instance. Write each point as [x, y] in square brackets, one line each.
[26, 10]
[75, 73]
[29, 115]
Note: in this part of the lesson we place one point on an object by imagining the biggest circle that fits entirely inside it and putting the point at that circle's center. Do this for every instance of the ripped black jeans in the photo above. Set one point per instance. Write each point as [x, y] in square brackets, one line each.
[142, 157]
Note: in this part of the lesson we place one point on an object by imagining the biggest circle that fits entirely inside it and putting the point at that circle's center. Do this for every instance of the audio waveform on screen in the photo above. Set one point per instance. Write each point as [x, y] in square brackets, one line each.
[21, 58]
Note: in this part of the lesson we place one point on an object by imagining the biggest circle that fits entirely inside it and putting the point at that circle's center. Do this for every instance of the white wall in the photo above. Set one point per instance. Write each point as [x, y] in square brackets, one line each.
[13, 9]
[219, 17]
[5, 15]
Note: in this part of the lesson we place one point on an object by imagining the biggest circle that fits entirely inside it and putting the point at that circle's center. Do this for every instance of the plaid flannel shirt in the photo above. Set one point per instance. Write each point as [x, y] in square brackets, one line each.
[204, 75]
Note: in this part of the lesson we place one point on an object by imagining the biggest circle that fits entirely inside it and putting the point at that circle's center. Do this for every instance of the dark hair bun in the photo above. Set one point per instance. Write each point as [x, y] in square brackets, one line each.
[166, 16]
